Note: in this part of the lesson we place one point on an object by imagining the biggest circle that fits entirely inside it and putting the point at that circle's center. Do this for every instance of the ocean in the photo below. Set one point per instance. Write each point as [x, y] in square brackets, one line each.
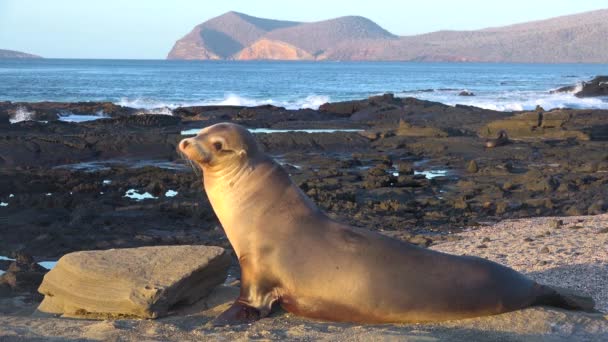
[153, 84]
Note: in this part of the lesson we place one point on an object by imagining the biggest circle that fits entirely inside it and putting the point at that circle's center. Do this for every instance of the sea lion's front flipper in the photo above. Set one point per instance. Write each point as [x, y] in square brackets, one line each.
[238, 313]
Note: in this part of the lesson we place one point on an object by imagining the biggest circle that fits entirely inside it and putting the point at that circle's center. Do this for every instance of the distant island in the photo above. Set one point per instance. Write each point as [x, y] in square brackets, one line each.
[5, 54]
[578, 38]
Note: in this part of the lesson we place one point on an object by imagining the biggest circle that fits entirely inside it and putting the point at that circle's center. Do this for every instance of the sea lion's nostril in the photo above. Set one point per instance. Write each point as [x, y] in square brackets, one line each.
[184, 144]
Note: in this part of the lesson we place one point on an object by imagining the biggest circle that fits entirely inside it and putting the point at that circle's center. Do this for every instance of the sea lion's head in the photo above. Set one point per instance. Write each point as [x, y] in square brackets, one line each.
[219, 146]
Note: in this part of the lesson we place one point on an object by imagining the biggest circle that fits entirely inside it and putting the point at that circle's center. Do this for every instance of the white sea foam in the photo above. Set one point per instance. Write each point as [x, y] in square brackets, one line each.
[158, 111]
[230, 99]
[515, 100]
[3, 204]
[22, 114]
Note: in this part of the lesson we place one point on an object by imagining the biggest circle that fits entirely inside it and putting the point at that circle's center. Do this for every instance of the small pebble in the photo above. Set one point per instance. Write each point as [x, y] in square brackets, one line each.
[544, 249]
[528, 239]
[482, 246]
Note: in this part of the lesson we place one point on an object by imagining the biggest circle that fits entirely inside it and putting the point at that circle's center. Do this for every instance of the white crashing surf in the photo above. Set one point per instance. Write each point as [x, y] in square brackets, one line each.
[150, 106]
[514, 100]
[22, 114]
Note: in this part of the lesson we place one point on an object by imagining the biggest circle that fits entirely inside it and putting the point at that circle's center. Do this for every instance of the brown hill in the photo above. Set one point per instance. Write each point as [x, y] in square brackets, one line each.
[573, 38]
[224, 36]
[15, 54]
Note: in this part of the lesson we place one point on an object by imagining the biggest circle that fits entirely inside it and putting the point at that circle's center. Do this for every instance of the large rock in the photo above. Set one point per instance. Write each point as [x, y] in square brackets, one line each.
[557, 124]
[135, 282]
[596, 87]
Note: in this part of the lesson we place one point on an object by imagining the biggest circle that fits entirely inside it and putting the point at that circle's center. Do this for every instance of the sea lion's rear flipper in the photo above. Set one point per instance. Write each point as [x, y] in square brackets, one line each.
[238, 313]
[564, 298]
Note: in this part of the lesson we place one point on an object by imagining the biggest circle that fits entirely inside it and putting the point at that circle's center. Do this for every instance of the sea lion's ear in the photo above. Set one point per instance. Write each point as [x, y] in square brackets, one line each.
[242, 153]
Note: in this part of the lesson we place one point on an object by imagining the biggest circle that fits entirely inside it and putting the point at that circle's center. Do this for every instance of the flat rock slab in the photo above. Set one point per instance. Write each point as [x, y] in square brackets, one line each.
[133, 282]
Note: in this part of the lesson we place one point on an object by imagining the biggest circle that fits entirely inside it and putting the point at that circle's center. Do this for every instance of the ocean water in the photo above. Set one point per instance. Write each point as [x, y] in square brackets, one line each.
[159, 84]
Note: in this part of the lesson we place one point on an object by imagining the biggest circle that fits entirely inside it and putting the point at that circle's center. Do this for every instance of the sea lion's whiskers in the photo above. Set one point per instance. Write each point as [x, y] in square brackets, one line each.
[195, 168]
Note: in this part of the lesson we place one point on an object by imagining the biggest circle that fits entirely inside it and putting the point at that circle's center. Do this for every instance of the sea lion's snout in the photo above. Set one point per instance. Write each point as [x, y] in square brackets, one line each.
[193, 150]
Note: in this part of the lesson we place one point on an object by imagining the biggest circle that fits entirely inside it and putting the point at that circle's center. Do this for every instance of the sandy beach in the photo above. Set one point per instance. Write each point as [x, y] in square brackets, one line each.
[577, 258]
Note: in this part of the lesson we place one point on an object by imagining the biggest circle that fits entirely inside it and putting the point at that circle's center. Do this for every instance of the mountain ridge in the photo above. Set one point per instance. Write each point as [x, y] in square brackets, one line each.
[5, 54]
[237, 36]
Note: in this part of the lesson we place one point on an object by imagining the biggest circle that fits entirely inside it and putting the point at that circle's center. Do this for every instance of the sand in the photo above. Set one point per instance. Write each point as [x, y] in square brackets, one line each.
[573, 254]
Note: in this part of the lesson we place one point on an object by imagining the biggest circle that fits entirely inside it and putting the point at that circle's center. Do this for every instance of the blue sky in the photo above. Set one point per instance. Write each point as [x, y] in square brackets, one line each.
[148, 28]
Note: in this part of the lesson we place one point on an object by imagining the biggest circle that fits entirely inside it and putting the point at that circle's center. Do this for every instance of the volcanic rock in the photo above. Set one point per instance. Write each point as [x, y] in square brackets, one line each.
[23, 274]
[133, 282]
[558, 125]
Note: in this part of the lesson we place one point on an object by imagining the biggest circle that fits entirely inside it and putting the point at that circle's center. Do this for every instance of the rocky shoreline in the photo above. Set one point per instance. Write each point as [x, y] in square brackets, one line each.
[413, 169]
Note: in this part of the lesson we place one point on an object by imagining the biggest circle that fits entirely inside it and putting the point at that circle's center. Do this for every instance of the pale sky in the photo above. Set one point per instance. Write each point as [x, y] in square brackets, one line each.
[147, 29]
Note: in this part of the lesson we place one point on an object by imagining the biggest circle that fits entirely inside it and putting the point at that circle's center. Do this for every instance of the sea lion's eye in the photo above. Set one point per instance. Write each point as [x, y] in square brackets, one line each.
[217, 145]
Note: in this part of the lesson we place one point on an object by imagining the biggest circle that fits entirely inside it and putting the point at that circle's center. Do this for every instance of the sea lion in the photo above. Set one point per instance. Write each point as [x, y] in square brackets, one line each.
[293, 254]
[501, 139]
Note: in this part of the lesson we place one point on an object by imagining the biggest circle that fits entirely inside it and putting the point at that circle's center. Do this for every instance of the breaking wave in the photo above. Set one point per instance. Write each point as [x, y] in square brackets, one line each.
[512, 101]
[22, 114]
[152, 106]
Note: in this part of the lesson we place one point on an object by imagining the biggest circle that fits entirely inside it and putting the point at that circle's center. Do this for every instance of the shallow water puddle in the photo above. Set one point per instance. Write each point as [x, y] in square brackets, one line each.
[171, 193]
[134, 194]
[269, 130]
[49, 265]
[430, 174]
[81, 117]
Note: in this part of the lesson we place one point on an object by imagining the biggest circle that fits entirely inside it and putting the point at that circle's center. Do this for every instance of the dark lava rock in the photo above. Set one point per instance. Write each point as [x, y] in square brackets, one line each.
[23, 275]
[340, 141]
[596, 87]
[141, 120]
[4, 119]
[598, 207]
[466, 93]
[535, 180]
[556, 224]
[405, 168]
[50, 111]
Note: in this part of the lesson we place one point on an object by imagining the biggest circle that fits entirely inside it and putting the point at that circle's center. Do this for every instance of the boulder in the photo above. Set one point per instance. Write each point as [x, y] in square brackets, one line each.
[405, 129]
[596, 87]
[466, 93]
[558, 125]
[143, 282]
[23, 275]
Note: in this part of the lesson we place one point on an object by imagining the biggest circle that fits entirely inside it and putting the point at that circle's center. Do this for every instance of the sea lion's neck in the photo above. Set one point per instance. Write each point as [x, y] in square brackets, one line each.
[244, 196]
